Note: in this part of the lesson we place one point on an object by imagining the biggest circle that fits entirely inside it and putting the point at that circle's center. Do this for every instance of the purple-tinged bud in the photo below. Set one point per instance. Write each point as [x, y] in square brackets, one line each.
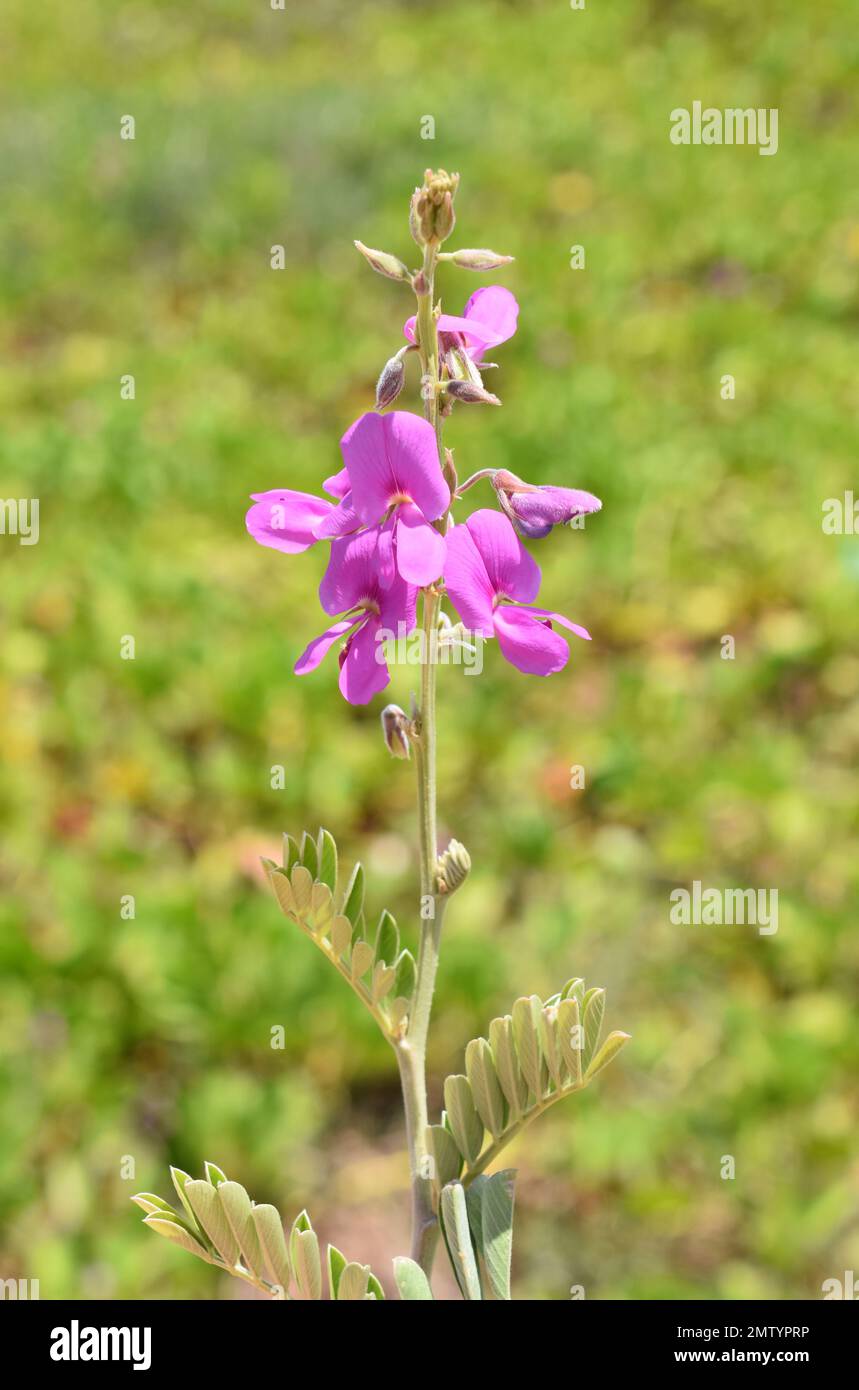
[395, 727]
[536, 509]
[391, 380]
[384, 263]
[470, 393]
[481, 259]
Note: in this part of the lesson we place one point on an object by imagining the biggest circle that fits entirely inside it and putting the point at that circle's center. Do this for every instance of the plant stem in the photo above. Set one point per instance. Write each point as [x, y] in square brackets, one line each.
[411, 1051]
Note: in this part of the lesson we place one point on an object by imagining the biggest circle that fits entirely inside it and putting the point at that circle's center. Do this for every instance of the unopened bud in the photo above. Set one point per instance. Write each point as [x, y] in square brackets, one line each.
[395, 727]
[391, 379]
[384, 263]
[478, 259]
[470, 393]
[453, 867]
[431, 214]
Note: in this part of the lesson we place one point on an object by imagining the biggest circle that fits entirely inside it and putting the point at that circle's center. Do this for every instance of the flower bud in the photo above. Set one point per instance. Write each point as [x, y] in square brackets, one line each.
[395, 727]
[453, 867]
[470, 393]
[535, 509]
[391, 379]
[384, 263]
[431, 215]
[478, 259]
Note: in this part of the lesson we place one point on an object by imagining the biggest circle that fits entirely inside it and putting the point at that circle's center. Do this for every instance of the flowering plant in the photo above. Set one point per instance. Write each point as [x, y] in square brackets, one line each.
[396, 555]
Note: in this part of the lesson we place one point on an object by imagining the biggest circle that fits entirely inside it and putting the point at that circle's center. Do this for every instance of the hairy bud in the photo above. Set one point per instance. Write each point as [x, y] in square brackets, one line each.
[477, 259]
[453, 867]
[391, 379]
[431, 215]
[384, 263]
[470, 393]
[395, 727]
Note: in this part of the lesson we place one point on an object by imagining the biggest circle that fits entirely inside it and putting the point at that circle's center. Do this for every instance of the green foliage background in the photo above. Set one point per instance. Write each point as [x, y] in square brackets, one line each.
[150, 1037]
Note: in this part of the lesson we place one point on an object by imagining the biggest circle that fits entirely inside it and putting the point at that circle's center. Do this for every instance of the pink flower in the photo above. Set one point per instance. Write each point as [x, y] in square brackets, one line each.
[291, 521]
[397, 486]
[489, 318]
[488, 571]
[351, 582]
[535, 509]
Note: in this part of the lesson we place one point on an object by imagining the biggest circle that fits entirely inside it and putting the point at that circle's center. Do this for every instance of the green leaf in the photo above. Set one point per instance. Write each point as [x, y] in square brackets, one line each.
[446, 1157]
[592, 1016]
[269, 1229]
[304, 1258]
[457, 1236]
[302, 888]
[336, 1265]
[326, 854]
[512, 1081]
[526, 1035]
[291, 854]
[340, 932]
[374, 1288]
[237, 1207]
[353, 898]
[609, 1050]
[362, 958]
[489, 1202]
[203, 1197]
[485, 1088]
[551, 1045]
[387, 939]
[179, 1181]
[152, 1204]
[411, 1280]
[178, 1234]
[570, 1038]
[214, 1174]
[353, 1283]
[574, 989]
[284, 894]
[465, 1123]
[406, 977]
[308, 855]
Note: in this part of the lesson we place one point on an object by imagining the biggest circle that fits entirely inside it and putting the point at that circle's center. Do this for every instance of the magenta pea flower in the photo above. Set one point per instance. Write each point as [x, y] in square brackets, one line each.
[487, 574]
[351, 584]
[535, 508]
[489, 318]
[293, 521]
[396, 487]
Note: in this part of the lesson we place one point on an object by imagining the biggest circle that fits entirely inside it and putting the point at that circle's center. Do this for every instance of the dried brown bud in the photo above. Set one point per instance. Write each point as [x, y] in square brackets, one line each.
[470, 393]
[384, 263]
[395, 727]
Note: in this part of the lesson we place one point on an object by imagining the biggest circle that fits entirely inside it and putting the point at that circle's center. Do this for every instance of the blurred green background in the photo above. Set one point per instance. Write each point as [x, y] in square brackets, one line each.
[150, 1037]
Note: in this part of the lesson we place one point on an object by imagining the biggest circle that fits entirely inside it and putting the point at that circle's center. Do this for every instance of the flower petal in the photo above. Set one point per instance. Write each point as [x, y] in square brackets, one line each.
[340, 521]
[352, 573]
[466, 582]
[420, 548]
[338, 484]
[511, 570]
[316, 650]
[528, 642]
[285, 520]
[544, 507]
[565, 622]
[393, 456]
[363, 669]
[493, 314]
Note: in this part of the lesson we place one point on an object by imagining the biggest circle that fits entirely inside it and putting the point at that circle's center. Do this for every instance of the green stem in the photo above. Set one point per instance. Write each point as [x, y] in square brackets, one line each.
[411, 1051]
